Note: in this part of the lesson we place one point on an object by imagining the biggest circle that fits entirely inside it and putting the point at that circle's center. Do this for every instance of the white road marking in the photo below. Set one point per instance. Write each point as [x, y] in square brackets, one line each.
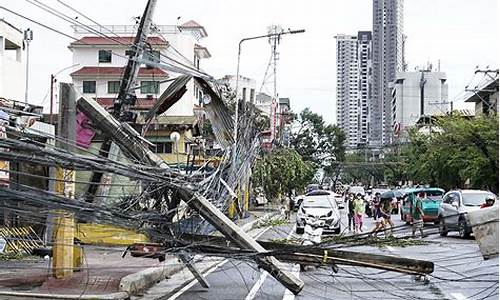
[391, 249]
[193, 282]
[458, 296]
[295, 271]
[257, 285]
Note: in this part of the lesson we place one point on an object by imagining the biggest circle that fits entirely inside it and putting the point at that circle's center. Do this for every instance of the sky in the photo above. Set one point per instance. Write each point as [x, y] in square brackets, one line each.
[461, 34]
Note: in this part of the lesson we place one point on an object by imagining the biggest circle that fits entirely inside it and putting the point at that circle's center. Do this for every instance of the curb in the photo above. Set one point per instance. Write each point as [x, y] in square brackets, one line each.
[111, 296]
[137, 283]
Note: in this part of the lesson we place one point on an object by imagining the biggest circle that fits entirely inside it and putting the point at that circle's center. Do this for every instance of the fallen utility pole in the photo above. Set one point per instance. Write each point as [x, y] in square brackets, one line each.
[126, 96]
[127, 138]
[312, 255]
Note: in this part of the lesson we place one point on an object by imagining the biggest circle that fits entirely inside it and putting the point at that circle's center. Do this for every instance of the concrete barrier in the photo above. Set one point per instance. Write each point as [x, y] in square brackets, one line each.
[484, 224]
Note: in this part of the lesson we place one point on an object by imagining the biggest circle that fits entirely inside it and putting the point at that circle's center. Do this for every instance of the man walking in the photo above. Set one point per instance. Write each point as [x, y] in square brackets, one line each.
[350, 211]
[417, 214]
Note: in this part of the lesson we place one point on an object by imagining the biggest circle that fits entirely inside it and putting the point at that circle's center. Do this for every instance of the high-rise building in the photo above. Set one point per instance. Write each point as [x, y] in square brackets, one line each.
[387, 60]
[354, 72]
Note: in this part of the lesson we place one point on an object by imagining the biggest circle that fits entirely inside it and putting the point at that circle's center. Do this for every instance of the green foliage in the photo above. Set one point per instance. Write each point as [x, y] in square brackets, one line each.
[281, 171]
[318, 143]
[458, 150]
[356, 169]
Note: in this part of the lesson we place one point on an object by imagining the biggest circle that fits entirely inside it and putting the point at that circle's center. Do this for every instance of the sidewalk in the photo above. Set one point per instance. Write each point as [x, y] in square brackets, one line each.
[104, 275]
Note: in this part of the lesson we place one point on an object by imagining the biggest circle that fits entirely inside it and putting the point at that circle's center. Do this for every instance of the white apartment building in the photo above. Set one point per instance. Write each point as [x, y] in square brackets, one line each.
[12, 66]
[264, 103]
[416, 94]
[102, 59]
[246, 86]
[354, 81]
[102, 62]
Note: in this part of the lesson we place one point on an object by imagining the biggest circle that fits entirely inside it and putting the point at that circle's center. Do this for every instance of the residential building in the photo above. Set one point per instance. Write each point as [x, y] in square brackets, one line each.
[417, 94]
[354, 85]
[12, 66]
[264, 102]
[102, 59]
[246, 86]
[484, 95]
[387, 58]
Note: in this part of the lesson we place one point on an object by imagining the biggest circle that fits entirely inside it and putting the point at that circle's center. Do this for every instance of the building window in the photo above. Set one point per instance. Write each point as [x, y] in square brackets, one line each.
[163, 147]
[104, 56]
[196, 61]
[150, 87]
[252, 95]
[89, 87]
[113, 87]
[244, 94]
[153, 56]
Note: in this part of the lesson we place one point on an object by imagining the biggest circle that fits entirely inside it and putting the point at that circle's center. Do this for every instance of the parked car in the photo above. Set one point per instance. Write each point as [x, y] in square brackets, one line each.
[430, 204]
[455, 206]
[319, 204]
[260, 199]
[312, 187]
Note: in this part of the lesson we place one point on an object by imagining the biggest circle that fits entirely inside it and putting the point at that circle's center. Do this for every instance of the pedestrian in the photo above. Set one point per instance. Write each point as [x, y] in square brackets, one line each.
[375, 204]
[350, 212]
[490, 200]
[386, 210]
[359, 210]
[417, 215]
[282, 206]
[290, 205]
[379, 222]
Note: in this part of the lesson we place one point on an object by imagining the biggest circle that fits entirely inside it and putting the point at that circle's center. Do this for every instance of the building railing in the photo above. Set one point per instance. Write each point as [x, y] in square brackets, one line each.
[121, 29]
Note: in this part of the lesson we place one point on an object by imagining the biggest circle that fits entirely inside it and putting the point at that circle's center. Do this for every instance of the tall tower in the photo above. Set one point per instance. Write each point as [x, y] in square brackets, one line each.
[270, 75]
[387, 60]
[354, 78]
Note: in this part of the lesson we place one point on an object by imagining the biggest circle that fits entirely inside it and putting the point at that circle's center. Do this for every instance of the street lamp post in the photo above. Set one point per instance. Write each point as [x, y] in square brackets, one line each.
[28, 37]
[52, 81]
[235, 132]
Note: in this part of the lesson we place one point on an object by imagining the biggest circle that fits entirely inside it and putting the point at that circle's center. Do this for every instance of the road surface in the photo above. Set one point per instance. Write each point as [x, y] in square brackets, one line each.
[460, 274]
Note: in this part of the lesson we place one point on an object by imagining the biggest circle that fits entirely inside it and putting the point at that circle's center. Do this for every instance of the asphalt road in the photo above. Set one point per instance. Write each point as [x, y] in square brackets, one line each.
[460, 274]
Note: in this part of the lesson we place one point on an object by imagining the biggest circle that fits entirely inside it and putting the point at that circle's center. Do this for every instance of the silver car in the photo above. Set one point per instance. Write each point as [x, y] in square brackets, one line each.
[454, 208]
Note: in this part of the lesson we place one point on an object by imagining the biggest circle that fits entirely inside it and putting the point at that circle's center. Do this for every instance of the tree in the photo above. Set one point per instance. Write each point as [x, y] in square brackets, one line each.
[318, 143]
[281, 171]
[457, 151]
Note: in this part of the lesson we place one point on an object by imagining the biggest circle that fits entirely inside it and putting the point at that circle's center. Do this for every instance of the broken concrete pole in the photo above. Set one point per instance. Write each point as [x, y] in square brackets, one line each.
[239, 237]
[484, 223]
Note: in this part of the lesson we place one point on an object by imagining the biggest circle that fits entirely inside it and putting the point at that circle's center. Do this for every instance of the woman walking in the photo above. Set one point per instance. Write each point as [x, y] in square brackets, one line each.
[359, 210]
